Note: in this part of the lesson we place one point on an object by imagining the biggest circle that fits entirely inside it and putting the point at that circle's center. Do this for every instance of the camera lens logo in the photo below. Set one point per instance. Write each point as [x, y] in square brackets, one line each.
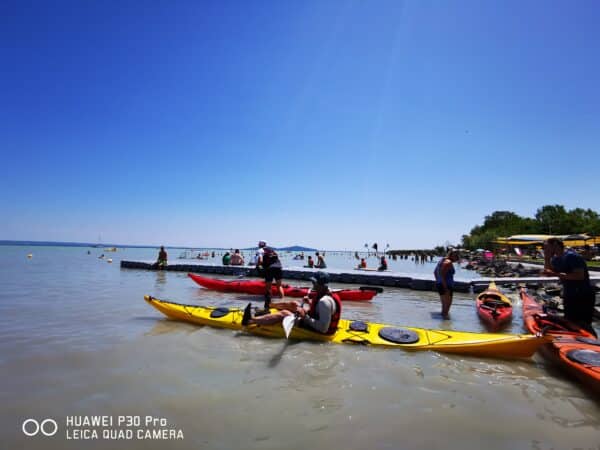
[32, 427]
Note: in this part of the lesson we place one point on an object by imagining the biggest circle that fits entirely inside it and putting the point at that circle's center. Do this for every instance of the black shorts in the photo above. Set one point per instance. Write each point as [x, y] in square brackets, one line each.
[441, 290]
[580, 308]
[273, 273]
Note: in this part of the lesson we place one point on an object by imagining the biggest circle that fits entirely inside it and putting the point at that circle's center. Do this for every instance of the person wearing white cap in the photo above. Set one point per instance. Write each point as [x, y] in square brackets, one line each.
[269, 260]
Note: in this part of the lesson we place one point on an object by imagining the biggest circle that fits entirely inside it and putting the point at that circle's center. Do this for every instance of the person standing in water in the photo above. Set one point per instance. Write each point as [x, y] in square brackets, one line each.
[269, 260]
[162, 258]
[444, 280]
[571, 269]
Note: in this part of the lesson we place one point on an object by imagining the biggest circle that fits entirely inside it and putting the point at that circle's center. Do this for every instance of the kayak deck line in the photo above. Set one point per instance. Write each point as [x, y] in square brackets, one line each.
[349, 276]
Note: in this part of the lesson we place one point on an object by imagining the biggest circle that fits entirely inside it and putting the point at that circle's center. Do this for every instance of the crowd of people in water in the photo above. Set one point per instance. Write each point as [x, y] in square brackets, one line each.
[322, 314]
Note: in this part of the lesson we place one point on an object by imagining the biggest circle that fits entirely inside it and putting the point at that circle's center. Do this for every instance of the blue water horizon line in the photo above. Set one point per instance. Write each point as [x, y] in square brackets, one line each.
[78, 244]
[24, 243]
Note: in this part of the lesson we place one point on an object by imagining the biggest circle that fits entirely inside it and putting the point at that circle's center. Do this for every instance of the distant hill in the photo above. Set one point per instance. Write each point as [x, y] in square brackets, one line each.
[55, 244]
[297, 248]
[293, 248]
[74, 244]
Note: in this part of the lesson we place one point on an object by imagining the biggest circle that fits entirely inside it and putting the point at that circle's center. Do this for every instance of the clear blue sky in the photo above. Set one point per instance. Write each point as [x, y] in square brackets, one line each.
[324, 123]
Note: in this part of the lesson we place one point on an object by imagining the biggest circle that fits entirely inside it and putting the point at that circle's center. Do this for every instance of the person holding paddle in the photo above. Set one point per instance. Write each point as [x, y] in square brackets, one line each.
[322, 315]
[444, 280]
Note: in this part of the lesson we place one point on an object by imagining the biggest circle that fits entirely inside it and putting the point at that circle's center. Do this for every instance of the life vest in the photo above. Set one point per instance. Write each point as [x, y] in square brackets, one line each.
[335, 317]
[449, 273]
[269, 257]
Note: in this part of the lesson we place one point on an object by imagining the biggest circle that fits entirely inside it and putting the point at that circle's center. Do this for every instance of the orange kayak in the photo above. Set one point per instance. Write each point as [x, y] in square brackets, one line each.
[573, 348]
[493, 307]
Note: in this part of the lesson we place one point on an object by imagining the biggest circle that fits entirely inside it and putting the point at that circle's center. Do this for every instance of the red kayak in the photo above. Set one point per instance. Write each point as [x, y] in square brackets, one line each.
[573, 348]
[493, 307]
[257, 287]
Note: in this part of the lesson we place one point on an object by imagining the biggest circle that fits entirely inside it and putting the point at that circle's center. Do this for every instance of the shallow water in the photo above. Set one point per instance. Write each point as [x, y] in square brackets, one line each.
[76, 338]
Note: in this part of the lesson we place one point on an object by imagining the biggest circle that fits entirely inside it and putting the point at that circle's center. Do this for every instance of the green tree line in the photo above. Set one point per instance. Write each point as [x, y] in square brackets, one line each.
[549, 219]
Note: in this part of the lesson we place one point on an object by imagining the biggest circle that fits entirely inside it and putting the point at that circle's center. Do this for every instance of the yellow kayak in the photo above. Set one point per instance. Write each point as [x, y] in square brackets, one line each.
[367, 333]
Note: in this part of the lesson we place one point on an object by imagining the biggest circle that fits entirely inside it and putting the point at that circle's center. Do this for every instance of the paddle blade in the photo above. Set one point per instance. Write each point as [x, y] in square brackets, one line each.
[288, 324]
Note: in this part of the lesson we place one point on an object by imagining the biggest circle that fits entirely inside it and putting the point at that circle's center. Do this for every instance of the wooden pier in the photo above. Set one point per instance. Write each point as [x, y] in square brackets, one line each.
[369, 278]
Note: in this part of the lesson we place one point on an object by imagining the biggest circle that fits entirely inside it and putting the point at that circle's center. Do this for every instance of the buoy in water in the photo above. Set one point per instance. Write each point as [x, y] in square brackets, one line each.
[30, 256]
[109, 260]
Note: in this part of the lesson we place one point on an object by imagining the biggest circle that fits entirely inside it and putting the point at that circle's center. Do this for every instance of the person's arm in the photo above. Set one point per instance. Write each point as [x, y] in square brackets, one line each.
[575, 275]
[325, 309]
[573, 269]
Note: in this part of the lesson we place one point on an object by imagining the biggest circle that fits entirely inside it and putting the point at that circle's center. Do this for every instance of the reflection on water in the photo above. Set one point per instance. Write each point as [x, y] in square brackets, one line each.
[161, 279]
[76, 337]
[276, 359]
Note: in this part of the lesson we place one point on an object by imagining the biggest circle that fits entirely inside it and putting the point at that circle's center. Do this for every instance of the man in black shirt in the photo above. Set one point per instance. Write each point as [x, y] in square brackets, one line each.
[571, 269]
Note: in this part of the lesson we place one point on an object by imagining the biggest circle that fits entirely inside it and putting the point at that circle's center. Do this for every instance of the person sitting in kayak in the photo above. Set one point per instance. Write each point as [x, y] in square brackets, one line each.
[310, 262]
[322, 315]
[237, 259]
[271, 265]
[162, 258]
[362, 264]
[383, 265]
[320, 261]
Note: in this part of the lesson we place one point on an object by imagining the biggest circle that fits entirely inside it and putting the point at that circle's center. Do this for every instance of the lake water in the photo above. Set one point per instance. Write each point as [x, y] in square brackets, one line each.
[77, 339]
